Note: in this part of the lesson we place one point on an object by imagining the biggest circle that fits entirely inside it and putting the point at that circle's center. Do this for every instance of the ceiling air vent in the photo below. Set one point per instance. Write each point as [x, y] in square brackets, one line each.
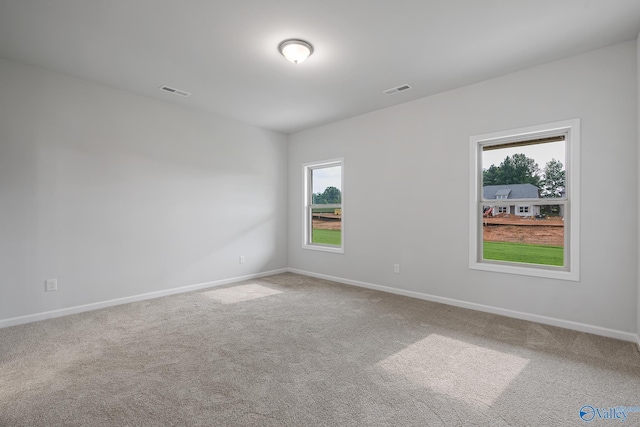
[396, 89]
[174, 91]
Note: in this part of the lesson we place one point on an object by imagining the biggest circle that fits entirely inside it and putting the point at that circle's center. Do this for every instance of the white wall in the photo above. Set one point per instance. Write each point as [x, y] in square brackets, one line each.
[406, 191]
[638, 123]
[116, 195]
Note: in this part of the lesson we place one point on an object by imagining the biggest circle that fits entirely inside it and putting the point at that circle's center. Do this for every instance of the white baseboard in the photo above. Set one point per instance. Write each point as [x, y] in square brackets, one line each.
[5, 323]
[567, 324]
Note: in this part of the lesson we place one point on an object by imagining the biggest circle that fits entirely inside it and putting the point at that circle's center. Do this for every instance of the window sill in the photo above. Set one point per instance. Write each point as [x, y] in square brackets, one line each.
[320, 248]
[519, 269]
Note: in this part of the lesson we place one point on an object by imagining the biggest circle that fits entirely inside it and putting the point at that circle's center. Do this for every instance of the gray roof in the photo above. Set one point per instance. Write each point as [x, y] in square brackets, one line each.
[512, 191]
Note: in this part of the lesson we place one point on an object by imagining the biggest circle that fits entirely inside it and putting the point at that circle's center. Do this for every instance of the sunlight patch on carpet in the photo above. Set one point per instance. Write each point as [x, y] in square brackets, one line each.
[456, 368]
[240, 293]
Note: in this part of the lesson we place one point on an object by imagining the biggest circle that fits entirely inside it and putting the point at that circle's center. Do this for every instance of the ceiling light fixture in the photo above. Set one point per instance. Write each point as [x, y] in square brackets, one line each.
[295, 50]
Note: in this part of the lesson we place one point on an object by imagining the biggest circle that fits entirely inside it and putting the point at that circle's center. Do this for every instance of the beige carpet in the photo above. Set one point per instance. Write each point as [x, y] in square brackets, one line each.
[290, 350]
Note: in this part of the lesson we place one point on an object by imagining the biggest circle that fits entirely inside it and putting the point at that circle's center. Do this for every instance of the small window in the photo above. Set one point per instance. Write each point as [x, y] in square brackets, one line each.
[533, 174]
[323, 206]
[503, 193]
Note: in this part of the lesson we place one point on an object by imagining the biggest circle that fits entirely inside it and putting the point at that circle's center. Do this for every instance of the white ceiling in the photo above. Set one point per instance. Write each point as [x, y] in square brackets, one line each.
[224, 52]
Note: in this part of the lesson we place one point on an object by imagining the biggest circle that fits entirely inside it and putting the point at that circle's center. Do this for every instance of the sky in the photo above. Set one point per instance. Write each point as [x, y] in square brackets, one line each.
[327, 177]
[541, 153]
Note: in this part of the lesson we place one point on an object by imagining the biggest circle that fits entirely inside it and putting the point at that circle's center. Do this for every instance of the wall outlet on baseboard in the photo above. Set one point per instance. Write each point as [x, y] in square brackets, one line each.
[241, 260]
[51, 285]
[396, 268]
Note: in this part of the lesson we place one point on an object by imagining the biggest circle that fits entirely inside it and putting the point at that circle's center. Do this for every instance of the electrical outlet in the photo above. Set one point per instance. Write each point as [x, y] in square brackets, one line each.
[241, 259]
[51, 285]
[396, 268]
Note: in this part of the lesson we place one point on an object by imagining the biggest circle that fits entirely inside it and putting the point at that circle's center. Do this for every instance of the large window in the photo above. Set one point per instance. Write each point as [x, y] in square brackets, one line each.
[323, 206]
[524, 204]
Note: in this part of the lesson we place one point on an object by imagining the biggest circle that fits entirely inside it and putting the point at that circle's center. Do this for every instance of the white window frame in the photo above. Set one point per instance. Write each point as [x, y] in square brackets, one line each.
[571, 201]
[503, 209]
[307, 197]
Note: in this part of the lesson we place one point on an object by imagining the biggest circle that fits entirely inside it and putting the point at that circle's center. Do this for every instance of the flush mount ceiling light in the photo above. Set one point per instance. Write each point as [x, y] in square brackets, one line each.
[295, 50]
